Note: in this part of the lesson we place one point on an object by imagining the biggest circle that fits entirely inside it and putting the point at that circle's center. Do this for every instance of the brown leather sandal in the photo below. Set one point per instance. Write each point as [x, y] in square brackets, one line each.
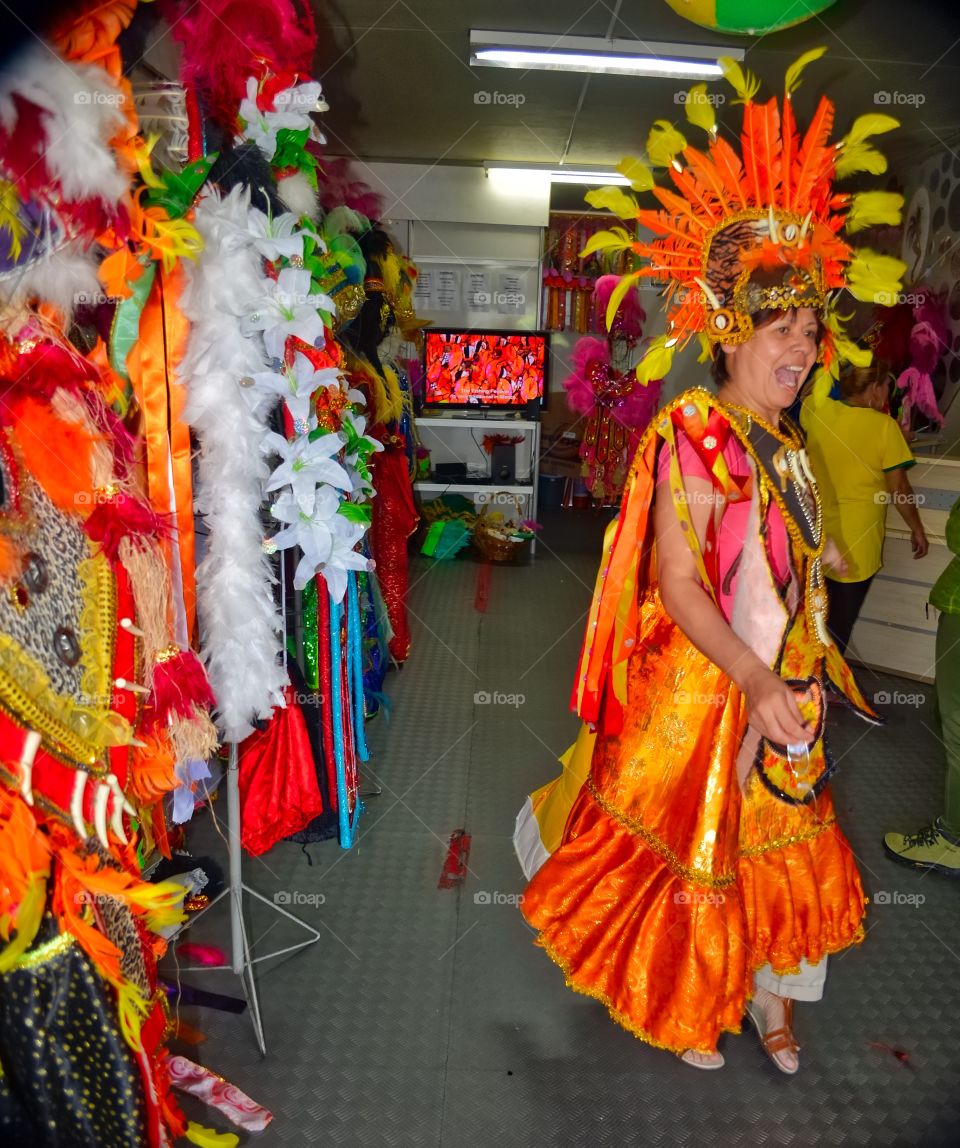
[777, 1040]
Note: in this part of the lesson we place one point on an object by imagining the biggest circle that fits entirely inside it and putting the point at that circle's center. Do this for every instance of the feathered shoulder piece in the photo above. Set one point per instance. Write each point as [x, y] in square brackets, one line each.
[748, 229]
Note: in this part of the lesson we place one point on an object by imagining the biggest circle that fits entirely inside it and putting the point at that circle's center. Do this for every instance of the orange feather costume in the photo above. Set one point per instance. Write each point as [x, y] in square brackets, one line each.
[679, 852]
[666, 886]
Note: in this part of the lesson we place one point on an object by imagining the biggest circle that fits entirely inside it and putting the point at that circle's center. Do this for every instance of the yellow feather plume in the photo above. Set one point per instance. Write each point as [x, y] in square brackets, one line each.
[27, 922]
[875, 278]
[625, 284]
[656, 363]
[390, 273]
[392, 403]
[663, 143]
[855, 154]
[10, 219]
[743, 82]
[874, 209]
[860, 158]
[791, 80]
[857, 356]
[155, 897]
[706, 348]
[616, 239]
[133, 1010]
[871, 124]
[640, 176]
[847, 350]
[613, 199]
[700, 111]
[171, 239]
[142, 152]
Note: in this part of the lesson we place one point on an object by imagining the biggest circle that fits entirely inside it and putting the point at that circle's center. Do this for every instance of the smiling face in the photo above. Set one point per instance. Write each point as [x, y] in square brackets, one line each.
[767, 372]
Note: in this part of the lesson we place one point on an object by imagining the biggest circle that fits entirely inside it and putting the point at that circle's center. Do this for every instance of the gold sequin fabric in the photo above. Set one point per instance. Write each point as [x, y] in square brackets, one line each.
[671, 885]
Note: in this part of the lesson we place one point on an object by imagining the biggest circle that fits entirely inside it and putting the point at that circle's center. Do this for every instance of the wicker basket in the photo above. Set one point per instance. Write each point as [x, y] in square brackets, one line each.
[491, 537]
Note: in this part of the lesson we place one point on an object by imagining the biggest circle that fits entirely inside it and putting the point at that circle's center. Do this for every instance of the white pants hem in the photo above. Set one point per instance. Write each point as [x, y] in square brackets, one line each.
[807, 985]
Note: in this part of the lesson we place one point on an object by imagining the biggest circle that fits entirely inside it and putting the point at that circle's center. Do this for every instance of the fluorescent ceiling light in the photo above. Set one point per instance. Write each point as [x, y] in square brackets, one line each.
[504, 174]
[599, 178]
[580, 62]
[596, 54]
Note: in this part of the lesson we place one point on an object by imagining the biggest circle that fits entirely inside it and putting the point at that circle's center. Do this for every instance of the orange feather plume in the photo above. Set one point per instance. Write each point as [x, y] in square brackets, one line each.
[11, 560]
[788, 135]
[708, 179]
[57, 453]
[814, 161]
[730, 167]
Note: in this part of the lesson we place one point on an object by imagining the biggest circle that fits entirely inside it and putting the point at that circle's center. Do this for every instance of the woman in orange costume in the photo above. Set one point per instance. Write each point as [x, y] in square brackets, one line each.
[688, 865]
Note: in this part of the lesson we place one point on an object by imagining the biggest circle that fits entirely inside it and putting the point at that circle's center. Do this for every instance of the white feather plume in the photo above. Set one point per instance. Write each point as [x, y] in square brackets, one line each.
[82, 111]
[298, 196]
[240, 627]
[64, 278]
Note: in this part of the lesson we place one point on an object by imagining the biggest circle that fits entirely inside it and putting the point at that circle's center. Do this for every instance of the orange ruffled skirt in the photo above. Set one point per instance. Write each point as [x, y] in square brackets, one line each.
[670, 885]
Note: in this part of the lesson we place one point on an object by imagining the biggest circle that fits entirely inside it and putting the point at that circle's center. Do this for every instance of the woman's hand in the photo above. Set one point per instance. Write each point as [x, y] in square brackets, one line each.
[918, 541]
[833, 559]
[773, 709]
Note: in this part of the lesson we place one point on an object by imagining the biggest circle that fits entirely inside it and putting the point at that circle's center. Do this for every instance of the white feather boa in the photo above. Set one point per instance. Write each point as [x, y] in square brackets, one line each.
[241, 629]
[82, 110]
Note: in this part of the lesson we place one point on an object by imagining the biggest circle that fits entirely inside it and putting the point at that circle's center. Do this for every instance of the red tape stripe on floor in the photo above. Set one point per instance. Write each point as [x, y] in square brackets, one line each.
[455, 866]
[482, 590]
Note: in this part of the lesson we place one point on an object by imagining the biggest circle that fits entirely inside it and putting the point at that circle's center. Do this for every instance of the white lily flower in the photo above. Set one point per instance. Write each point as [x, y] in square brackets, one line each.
[343, 556]
[361, 486]
[302, 380]
[276, 236]
[301, 99]
[292, 108]
[305, 465]
[288, 308]
[326, 538]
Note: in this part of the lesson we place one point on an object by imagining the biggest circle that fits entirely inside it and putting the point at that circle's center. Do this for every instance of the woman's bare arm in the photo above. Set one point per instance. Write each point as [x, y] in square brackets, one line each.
[905, 501]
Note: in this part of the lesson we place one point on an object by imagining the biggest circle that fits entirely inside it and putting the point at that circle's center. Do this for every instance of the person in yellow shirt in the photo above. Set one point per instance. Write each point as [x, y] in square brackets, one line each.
[860, 459]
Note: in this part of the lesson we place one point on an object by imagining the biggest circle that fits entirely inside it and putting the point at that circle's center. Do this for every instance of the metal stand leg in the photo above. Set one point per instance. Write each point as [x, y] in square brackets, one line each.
[242, 961]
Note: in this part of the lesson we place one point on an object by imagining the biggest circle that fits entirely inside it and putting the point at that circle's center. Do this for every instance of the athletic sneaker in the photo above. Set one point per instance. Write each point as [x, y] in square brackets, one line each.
[931, 848]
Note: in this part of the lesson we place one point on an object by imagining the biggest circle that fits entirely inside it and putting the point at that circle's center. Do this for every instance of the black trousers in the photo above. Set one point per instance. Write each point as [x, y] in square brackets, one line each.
[845, 600]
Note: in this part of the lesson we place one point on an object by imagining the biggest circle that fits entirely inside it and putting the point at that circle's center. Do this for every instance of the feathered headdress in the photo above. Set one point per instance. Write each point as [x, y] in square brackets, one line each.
[630, 317]
[225, 42]
[761, 229]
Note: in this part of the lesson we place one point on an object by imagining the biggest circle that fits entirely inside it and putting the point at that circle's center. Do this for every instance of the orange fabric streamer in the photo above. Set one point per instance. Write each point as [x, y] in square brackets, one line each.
[152, 364]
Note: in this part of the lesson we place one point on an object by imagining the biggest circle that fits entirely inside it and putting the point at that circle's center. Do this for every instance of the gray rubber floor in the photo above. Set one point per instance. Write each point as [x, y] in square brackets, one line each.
[427, 1016]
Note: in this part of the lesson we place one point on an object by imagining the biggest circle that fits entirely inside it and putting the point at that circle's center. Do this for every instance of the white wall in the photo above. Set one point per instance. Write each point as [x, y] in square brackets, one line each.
[441, 194]
[455, 217]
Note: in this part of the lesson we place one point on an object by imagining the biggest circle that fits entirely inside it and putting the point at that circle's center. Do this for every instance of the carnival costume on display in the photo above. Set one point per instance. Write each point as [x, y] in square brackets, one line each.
[263, 302]
[680, 852]
[104, 706]
[385, 303]
[604, 387]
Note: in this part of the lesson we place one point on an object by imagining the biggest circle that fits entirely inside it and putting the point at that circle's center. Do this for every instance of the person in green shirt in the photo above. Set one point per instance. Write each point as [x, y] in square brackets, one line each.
[860, 459]
[937, 846]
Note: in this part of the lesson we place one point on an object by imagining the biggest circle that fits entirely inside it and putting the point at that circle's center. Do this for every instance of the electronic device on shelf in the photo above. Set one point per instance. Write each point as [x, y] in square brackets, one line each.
[479, 372]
